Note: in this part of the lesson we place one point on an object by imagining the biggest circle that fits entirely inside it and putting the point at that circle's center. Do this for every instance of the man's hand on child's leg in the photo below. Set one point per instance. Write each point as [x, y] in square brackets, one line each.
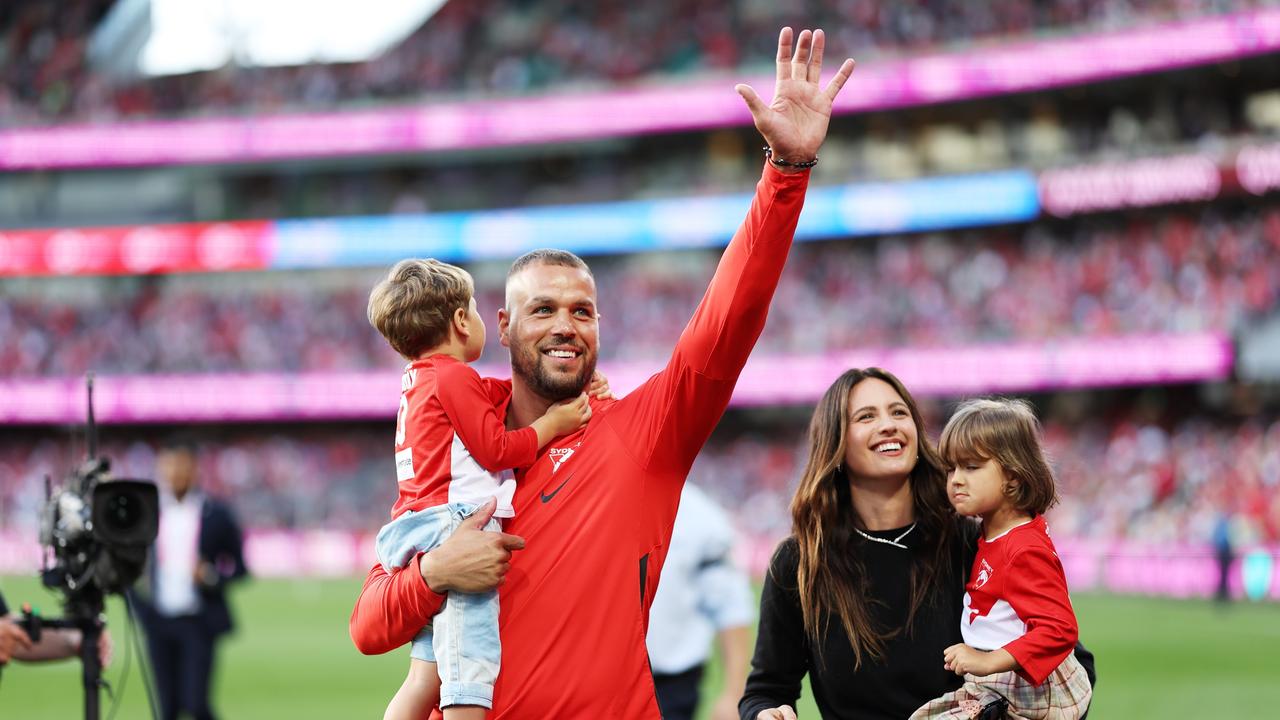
[470, 560]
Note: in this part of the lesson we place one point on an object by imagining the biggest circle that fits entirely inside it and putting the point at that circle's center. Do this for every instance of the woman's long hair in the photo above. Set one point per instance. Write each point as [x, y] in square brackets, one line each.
[831, 575]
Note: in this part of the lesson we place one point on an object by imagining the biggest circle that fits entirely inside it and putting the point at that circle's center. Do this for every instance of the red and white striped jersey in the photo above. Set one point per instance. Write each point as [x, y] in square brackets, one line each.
[1017, 599]
[451, 445]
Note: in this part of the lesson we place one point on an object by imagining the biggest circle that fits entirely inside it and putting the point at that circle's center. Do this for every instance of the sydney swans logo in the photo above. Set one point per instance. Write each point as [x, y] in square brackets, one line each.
[559, 456]
[984, 574]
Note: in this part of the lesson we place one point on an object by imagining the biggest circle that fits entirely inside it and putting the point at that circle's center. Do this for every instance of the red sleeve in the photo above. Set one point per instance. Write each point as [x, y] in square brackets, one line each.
[392, 608]
[497, 390]
[469, 406]
[676, 410]
[1036, 587]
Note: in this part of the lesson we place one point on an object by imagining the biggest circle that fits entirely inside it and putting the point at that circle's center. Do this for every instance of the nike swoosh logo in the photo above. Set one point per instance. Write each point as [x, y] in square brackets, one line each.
[547, 497]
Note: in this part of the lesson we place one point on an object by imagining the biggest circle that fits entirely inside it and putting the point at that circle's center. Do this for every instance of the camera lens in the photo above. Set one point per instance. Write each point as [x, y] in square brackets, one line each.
[121, 513]
[125, 512]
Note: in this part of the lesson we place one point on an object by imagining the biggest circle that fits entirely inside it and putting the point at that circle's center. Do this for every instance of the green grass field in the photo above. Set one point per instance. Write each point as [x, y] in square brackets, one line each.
[292, 658]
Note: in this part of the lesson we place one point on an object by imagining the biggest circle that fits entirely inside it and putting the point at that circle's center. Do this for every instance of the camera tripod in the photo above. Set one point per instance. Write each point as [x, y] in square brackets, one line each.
[83, 614]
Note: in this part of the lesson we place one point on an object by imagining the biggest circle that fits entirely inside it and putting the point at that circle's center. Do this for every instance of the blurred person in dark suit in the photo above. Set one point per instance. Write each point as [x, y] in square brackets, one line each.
[182, 602]
[1224, 554]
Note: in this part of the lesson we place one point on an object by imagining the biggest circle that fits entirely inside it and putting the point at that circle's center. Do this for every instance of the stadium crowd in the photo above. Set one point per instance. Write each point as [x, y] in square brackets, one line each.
[513, 46]
[1192, 113]
[1126, 477]
[1169, 272]
[1135, 475]
[284, 477]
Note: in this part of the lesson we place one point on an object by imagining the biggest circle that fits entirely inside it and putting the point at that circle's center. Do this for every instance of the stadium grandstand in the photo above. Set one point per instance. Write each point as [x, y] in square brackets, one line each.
[1073, 201]
[1070, 223]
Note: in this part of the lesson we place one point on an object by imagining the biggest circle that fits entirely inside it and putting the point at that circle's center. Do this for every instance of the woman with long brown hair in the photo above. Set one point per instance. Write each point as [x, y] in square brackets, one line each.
[866, 593]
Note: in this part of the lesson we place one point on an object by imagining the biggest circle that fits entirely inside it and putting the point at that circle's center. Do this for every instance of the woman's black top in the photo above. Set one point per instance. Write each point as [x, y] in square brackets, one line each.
[909, 674]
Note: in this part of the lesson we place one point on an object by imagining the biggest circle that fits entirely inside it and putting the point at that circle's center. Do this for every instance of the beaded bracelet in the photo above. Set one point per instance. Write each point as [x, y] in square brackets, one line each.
[779, 162]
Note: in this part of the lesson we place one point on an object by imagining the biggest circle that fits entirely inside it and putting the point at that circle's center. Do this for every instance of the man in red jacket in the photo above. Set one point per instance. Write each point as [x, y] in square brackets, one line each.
[597, 506]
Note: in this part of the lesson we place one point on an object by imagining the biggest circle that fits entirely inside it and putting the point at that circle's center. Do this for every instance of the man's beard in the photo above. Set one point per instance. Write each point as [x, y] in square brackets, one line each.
[526, 363]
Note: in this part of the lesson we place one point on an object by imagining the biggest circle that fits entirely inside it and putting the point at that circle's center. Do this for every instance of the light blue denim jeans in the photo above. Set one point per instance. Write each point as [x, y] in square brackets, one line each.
[463, 638]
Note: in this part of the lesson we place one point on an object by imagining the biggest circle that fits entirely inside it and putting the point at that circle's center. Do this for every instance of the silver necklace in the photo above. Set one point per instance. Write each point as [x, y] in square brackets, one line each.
[896, 542]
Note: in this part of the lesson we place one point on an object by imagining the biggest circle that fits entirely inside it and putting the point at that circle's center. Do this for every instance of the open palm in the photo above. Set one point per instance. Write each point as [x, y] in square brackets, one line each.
[794, 123]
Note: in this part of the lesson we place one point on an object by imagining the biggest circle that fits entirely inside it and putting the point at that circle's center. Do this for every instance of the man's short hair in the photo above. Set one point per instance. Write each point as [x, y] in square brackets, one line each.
[547, 256]
[414, 305]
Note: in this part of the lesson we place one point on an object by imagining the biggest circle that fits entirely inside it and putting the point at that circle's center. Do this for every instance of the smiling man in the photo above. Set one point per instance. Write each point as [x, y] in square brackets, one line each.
[553, 352]
[597, 507]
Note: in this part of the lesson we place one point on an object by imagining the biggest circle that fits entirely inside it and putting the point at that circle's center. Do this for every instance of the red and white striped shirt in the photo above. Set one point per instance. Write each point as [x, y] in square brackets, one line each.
[1017, 599]
[451, 445]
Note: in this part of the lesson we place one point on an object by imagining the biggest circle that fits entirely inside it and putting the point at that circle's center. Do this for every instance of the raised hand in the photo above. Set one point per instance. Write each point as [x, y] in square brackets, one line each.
[795, 122]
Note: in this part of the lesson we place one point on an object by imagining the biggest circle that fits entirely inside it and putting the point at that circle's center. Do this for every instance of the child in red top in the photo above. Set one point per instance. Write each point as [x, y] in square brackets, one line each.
[453, 453]
[1018, 626]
